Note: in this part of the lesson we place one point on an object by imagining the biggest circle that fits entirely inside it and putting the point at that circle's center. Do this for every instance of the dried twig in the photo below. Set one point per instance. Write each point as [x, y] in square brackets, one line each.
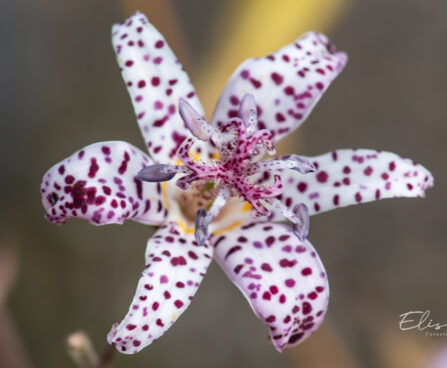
[83, 353]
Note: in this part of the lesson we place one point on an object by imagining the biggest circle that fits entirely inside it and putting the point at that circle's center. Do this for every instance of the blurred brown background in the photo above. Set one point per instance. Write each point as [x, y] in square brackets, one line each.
[61, 90]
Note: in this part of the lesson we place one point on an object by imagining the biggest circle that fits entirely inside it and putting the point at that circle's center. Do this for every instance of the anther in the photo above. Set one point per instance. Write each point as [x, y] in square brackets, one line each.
[203, 219]
[160, 172]
[199, 127]
[201, 228]
[301, 228]
[248, 113]
[299, 163]
[194, 121]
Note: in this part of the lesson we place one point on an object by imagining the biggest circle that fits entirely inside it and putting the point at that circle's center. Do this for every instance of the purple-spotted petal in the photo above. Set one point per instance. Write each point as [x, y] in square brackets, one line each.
[282, 278]
[156, 82]
[175, 266]
[286, 84]
[98, 184]
[346, 177]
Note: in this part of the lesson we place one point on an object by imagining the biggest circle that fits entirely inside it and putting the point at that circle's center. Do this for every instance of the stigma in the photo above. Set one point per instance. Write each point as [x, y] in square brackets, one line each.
[240, 145]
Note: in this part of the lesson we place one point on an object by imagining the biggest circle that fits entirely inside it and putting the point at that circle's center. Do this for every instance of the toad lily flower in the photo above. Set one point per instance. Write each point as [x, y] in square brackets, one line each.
[202, 184]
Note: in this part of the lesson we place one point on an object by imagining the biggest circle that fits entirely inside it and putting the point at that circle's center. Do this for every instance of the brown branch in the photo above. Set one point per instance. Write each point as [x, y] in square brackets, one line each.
[107, 356]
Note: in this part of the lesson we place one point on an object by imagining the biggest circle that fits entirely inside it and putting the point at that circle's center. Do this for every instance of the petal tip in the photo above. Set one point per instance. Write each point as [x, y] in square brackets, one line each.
[112, 333]
[278, 347]
[342, 59]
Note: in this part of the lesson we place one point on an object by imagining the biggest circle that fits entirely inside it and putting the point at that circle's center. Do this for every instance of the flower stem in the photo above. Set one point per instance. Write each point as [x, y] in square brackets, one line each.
[107, 356]
[81, 350]
[83, 353]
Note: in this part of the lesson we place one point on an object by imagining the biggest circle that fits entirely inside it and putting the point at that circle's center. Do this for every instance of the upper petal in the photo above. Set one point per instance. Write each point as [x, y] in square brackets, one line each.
[347, 176]
[98, 183]
[282, 278]
[156, 81]
[286, 84]
[175, 266]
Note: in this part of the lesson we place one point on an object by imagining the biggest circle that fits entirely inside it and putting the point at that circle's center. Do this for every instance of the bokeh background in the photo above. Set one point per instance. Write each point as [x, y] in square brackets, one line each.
[61, 89]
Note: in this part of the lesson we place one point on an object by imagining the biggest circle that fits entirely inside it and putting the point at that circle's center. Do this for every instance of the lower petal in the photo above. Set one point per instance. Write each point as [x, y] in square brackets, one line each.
[282, 278]
[98, 183]
[175, 266]
[345, 177]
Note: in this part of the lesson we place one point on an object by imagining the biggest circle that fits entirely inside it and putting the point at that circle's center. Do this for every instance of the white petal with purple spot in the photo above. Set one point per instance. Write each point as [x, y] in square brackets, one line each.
[345, 177]
[286, 84]
[175, 266]
[98, 183]
[156, 82]
[282, 278]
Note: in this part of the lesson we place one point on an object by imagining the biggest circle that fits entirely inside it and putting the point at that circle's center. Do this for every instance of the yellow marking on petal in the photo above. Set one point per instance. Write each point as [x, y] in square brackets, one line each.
[184, 228]
[178, 162]
[216, 155]
[195, 156]
[228, 228]
[247, 207]
[165, 194]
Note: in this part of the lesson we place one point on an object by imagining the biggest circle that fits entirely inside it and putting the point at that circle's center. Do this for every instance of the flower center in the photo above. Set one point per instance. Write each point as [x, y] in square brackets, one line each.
[234, 173]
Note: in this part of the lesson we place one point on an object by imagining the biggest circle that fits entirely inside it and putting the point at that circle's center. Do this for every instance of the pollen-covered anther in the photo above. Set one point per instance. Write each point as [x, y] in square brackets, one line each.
[248, 113]
[203, 219]
[301, 228]
[194, 121]
[299, 163]
[201, 227]
[160, 172]
[298, 216]
[199, 127]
